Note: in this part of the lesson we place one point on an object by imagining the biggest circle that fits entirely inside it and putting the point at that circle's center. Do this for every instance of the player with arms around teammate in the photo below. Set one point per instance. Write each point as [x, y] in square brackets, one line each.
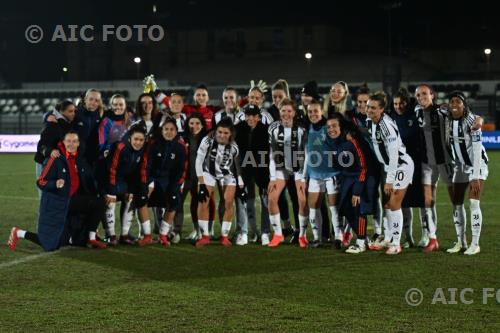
[397, 164]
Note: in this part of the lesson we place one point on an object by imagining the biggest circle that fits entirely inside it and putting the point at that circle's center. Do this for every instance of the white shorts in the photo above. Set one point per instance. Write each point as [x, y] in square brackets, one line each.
[403, 176]
[285, 174]
[431, 173]
[463, 173]
[330, 185]
[227, 180]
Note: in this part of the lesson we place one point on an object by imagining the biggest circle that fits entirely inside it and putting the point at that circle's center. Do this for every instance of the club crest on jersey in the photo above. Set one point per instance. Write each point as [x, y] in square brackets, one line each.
[64, 170]
[138, 159]
[172, 156]
[410, 122]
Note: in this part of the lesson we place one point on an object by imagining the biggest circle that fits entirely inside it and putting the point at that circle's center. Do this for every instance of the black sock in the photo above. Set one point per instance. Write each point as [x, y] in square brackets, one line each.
[31, 236]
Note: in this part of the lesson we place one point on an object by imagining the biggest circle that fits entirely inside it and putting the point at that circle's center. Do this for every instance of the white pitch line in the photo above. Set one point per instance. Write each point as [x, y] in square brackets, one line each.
[17, 197]
[25, 259]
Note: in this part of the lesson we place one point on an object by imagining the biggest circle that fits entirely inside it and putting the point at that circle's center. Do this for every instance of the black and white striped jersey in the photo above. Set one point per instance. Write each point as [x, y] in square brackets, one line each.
[265, 117]
[466, 143]
[216, 159]
[433, 122]
[287, 148]
[219, 115]
[387, 144]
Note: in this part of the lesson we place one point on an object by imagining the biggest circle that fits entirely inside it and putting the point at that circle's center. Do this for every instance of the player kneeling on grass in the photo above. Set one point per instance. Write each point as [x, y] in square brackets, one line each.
[358, 176]
[470, 171]
[166, 161]
[218, 161]
[67, 189]
[127, 181]
[398, 165]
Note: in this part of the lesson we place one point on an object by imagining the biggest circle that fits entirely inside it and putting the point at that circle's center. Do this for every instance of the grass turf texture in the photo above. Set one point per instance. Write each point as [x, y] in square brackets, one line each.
[240, 289]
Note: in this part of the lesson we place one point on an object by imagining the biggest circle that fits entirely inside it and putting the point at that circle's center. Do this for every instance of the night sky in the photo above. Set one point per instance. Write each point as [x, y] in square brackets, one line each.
[414, 24]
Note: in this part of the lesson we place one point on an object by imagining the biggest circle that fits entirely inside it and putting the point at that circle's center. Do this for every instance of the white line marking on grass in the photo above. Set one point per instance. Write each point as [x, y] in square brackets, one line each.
[17, 197]
[25, 259]
[8, 174]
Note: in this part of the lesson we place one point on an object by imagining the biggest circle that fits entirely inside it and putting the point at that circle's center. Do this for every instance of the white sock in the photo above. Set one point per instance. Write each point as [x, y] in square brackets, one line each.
[319, 223]
[226, 228]
[276, 224]
[91, 235]
[395, 220]
[128, 215]
[335, 222]
[360, 243]
[476, 220]
[110, 219]
[164, 228]
[387, 226]
[377, 223]
[303, 222]
[315, 224]
[377, 226]
[407, 223]
[459, 222]
[146, 227]
[431, 225]
[423, 223]
[434, 215]
[204, 227]
[21, 233]
[347, 228]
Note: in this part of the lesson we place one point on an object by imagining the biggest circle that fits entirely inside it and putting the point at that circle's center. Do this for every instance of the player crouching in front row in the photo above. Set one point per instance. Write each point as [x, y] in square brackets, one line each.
[67, 190]
[166, 166]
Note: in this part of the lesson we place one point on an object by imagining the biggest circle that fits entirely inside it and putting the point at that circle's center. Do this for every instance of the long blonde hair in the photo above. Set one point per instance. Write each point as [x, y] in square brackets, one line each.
[340, 107]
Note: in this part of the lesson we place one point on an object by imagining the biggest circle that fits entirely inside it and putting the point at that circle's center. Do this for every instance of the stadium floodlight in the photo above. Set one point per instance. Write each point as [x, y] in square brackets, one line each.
[487, 51]
[65, 69]
[137, 60]
[308, 55]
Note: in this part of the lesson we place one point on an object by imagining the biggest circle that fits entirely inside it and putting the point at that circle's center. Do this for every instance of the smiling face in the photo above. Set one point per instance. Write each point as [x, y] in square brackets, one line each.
[399, 105]
[195, 125]
[137, 140]
[71, 142]
[337, 93]
[424, 96]
[278, 96]
[361, 102]
[169, 131]
[229, 98]
[92, 101]
[118, 105]
[223, 135]
[147, 104]
[457, 107]
[314, 113]
[333, 128]
[374, 110]
[256, 98]
[252, 120]
[69, 112]
[201, 97]
[176, 104]
[287, 113]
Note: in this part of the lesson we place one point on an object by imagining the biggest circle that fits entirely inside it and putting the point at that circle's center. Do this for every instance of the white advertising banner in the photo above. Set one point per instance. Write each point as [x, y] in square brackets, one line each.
[18, 143]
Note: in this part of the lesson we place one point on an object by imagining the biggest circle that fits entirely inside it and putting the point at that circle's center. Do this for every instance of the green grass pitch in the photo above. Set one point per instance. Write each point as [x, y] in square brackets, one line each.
[241, 289]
